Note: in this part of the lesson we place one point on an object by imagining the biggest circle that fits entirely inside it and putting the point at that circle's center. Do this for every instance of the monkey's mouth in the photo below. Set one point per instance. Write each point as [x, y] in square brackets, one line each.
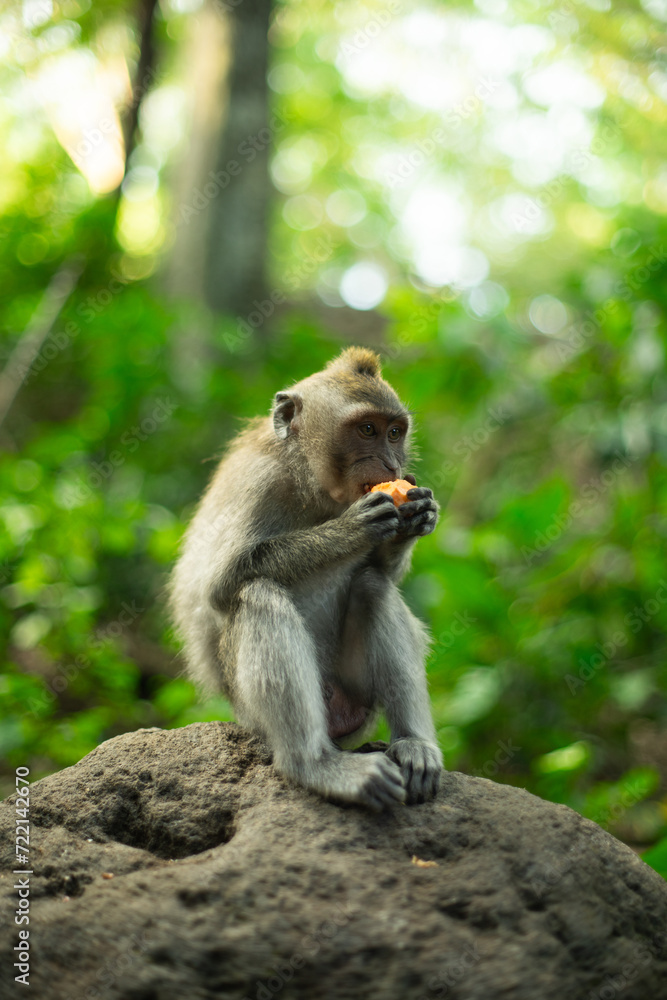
[367, 487]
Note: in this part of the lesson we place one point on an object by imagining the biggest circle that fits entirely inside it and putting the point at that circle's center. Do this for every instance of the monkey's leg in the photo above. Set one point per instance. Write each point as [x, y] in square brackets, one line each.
[394, 645]
[278, 691]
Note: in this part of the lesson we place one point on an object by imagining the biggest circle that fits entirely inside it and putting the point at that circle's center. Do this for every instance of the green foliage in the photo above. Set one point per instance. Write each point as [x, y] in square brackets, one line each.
[657, 857]
[546, 445]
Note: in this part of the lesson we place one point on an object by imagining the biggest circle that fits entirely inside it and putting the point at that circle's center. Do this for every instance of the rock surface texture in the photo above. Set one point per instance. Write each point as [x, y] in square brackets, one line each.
[228, 882]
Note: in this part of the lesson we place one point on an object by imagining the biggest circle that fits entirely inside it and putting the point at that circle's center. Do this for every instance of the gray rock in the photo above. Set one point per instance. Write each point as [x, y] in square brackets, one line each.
[228, 882]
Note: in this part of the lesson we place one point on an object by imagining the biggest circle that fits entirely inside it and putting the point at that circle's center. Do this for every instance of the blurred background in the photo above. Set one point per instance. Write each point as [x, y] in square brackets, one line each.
[204, 200]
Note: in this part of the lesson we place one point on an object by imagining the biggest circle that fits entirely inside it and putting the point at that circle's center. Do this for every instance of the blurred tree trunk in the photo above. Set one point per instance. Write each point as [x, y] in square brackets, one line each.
[235, 263]
[221, 188]
[143, 73]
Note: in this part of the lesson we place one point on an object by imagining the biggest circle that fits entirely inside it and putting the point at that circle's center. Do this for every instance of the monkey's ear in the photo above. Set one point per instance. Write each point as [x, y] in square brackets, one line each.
[286, 408]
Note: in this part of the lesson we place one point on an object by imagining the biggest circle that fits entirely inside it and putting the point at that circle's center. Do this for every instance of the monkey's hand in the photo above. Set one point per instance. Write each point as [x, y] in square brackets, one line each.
[367, 779]
[421, 766]
[419, 515]
[373, 516]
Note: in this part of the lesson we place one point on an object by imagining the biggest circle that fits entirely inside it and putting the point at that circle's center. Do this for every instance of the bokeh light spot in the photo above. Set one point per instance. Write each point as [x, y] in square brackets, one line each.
[346, 208]
[547, 314]
[364, 285]
[303, 212]
[625, 242]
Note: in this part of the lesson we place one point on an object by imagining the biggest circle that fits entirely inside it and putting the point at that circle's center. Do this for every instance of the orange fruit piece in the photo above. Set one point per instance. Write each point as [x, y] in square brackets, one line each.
[397, 490]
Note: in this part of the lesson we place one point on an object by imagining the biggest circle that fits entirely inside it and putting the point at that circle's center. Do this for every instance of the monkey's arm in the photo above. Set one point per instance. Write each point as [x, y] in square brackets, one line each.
[417, 518]
[393, 557]
[290, 558]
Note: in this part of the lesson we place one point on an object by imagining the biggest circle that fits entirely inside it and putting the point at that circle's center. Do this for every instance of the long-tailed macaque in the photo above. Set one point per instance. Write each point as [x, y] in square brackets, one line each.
[286, 592]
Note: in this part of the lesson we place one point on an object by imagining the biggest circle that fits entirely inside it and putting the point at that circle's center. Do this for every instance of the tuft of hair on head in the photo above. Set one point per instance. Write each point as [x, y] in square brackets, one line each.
[357, 361]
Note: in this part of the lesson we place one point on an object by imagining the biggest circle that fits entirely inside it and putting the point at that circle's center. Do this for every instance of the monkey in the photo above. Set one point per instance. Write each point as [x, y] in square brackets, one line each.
[286, 589]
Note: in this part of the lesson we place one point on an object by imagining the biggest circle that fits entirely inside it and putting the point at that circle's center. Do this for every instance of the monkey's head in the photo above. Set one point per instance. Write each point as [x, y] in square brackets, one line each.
[347, 423]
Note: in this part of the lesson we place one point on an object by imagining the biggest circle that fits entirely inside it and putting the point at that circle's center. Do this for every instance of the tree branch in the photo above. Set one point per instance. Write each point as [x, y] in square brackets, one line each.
[39, 327]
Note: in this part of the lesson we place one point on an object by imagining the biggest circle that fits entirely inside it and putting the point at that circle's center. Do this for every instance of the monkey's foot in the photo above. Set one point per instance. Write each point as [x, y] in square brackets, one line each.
[368, 779]
[421, 766]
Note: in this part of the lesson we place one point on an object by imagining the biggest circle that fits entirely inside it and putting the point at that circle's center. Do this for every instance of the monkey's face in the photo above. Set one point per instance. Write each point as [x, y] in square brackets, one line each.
[350, 427]
[370, 448]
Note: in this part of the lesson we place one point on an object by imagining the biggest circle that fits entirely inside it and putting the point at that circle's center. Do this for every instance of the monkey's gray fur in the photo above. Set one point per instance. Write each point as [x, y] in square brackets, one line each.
[286, 592]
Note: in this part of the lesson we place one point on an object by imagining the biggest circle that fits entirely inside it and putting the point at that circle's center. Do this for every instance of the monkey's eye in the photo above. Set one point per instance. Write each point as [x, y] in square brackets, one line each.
[394, 433]
[368, 430]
